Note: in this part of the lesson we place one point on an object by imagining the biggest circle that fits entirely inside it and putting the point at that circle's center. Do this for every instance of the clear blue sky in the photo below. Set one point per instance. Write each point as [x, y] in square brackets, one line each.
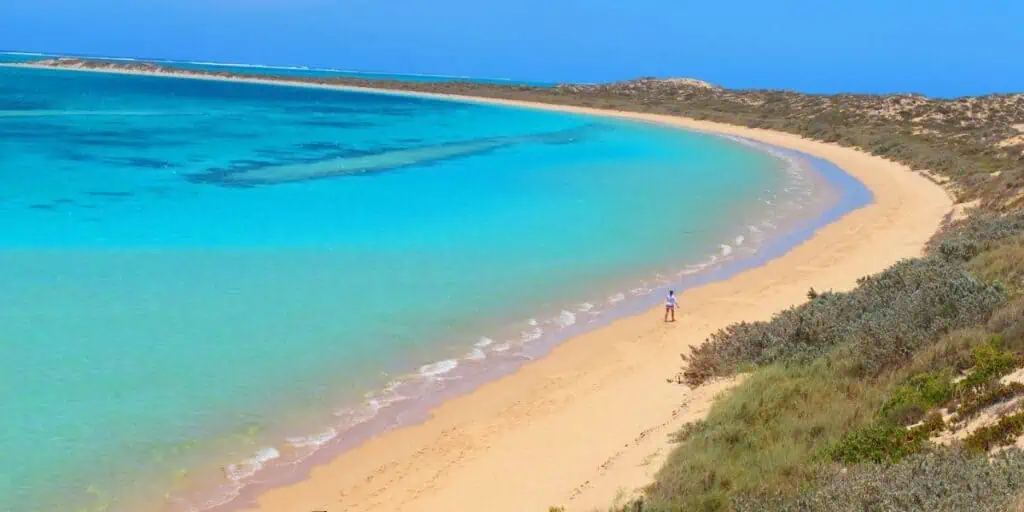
[938, 47]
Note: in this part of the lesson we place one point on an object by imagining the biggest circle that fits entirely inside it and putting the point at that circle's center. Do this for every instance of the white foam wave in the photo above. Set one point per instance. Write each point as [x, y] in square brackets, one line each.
[375, 401]
[739, 240]
[392, 386]
[350, 416]
[438, 368]
[484, 341]
[502, 347]
[691, 269]
[585, 307]
[565, 319]
[726, 249]
[476, 355]
[531, 335]
[353, 416]
[533, 322]
[374, 405]
[618, 297]
[250, 466]
[313, 440]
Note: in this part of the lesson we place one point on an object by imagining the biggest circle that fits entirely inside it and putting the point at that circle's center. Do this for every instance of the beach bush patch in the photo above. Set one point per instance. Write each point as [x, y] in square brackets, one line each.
[1003, 433]
[995, 395]
[883, 442]
[886, 318]
[877, 443]
[990, 363]
[938, 481]
[966, 239]
[778, 420]
[921, 393]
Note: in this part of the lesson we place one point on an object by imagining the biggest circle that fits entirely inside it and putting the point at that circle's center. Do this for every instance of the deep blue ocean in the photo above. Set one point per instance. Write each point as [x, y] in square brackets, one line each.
[200, 278]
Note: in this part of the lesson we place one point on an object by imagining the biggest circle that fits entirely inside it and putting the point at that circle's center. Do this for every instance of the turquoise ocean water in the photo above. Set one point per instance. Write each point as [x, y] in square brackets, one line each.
[202, 280]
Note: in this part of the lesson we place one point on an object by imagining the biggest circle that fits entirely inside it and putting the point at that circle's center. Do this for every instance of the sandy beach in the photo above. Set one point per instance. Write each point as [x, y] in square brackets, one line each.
[589, 423]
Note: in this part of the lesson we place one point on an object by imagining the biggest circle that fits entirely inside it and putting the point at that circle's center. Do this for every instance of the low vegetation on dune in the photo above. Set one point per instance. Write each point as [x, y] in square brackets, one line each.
[950, 481]
[884, 321]
[901, 394]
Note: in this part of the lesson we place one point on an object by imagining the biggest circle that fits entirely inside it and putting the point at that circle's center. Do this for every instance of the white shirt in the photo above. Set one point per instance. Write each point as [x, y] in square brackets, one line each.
[670, 301]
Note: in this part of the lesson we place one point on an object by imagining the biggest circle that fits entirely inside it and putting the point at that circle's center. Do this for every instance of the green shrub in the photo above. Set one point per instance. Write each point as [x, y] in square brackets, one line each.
[910, 401]
[990, 363]
[877, 443]
[883, 442]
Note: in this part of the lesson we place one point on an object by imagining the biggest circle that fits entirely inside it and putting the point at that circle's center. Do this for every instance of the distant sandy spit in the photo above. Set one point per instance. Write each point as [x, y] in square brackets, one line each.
[590, 422]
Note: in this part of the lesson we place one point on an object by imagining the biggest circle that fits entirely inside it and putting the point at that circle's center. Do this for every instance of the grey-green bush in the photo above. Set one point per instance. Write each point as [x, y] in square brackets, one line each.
[943, 481]
[886, 318]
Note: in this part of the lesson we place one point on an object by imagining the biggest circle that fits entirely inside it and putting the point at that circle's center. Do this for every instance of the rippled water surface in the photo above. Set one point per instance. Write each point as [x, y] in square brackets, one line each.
[200, 278]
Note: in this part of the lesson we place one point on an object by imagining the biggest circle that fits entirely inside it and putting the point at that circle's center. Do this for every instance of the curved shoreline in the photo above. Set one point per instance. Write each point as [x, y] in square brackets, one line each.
[590, 420]
[528, 441]
[845, 195]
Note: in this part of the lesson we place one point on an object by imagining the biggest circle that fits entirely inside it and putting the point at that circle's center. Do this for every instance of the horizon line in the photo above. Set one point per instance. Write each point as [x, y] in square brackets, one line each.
[298, 67]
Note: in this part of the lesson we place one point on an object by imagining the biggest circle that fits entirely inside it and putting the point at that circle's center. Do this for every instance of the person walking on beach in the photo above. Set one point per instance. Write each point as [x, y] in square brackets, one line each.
[670, 306]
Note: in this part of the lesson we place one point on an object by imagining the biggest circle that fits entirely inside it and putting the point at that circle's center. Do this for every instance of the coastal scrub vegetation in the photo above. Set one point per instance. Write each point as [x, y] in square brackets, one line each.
[862, 400]
[950, 481]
